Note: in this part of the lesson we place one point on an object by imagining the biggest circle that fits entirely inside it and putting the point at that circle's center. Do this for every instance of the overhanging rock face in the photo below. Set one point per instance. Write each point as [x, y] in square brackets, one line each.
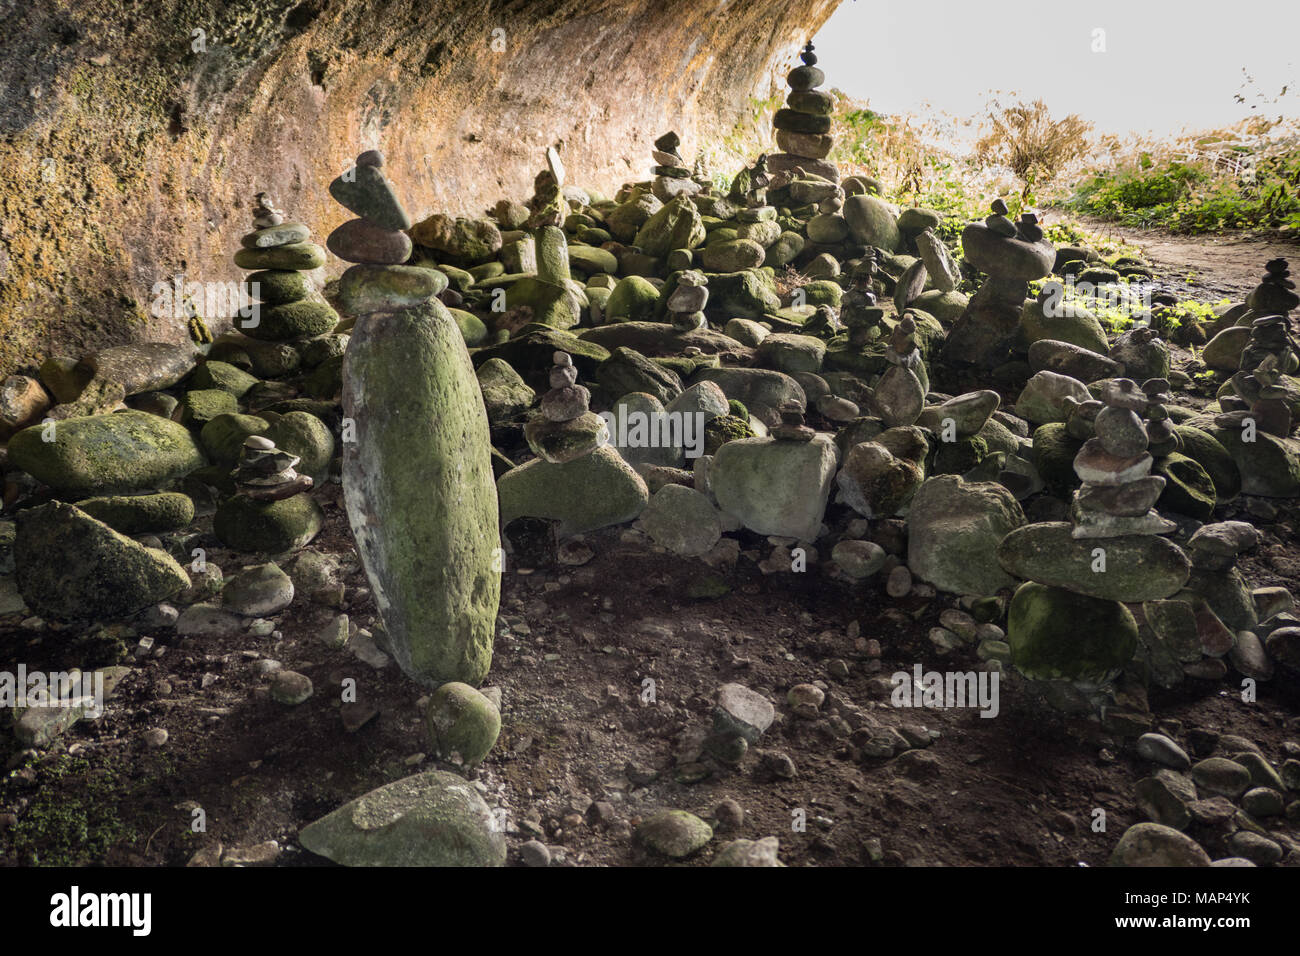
[134, 134]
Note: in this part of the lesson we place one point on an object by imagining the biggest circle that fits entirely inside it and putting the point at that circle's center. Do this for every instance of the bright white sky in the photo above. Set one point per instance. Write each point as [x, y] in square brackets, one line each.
[1167, 65]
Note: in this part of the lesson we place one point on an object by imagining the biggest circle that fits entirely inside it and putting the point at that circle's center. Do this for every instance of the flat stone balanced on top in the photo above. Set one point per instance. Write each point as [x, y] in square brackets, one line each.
[417, 482]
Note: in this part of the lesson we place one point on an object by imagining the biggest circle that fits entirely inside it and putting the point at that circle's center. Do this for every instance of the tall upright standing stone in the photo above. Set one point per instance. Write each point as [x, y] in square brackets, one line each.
[417, 480]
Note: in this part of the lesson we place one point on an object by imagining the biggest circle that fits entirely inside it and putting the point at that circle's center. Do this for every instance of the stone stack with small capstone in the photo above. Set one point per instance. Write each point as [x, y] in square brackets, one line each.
[803, 127]
[687, 302]
[858, 308]
[279, 255]
[376, 242]
[1119, 492]
[566, 429]
[1013, 254]
[266, 473]
[672, 175]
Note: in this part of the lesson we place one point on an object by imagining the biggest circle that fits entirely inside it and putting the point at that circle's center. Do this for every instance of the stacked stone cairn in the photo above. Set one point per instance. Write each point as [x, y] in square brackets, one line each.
[566, 429]
[417, 481]
[1119, 492]
[377, 243]
[687, 302]
[1013, 254]
[803, 127]
[858, 308]
[266, 473]
[280, 254]
[672, 177]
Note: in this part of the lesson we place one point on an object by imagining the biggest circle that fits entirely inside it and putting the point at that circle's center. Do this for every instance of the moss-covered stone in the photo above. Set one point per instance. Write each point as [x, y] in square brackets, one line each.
[141, 514]
[224, 436]
[1208, 451]
[633, 300]
[268, 527]
[1188, 490]
[125, 451]
[369, 288]
[300, 256]
[462, 723]
[419, 491]
[292, 320]
[1128, 567]
[70, 566]
[1054, 451]
[199, 406]
[304, 435]
[432, 819]
[222, 375]
[1058, 634]
[277, 286]
[676, 225]
[590, 492]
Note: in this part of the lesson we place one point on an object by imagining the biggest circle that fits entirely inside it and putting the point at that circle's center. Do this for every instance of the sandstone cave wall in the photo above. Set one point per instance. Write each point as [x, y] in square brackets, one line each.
[131, 143]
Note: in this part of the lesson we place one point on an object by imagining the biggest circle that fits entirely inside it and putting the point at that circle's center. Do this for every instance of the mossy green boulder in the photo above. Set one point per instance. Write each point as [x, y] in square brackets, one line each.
[71, 566]
[268, 527]
[292, 320]
[141, 514]
[1123, 568]
[1059, 634]
[124, 451]
[223, 437]
[1208, 451]
[677, 225]
[298, 256]
[632, 300]
[369, 288]
[431, 819]
[222, 375]
[420, 494]
[592, 491]
[1189, 490]
[304, 435]
[462, 723]
[200, 405]
[954, 529]
[505, 394]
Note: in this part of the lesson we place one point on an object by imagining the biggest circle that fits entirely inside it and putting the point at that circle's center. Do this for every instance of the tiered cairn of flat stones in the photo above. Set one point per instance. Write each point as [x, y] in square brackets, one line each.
[1268, 354]
[1013, 254]
[1119, 492]
[567, 428]
[686, 304]
[281, 254]
[266, 473]
[803, 127]
[858, 308]
[376, 242]
[673, 177]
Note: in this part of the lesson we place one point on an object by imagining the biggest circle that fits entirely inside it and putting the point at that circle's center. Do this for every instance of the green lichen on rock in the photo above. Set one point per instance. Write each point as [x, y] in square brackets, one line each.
[268, 527]
[124, 451]
[304, 435]
[1056, 633]
[430, 819]
[69, 566]
[419, 491]
[462, 723]
[141, 514]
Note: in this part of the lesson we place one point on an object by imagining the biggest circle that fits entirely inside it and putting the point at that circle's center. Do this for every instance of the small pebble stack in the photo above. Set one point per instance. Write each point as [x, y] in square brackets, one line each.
[686, 304]
[265, 473]
[1119, 492]
[672, 175]
[567, 429]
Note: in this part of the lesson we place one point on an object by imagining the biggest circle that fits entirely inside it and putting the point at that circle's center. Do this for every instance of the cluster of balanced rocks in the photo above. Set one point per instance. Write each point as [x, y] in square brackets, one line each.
[504, 388]
[803, 127]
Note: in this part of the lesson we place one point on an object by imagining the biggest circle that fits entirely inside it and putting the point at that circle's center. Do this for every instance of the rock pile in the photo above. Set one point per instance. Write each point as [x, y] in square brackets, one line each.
[417, 481]
[1013, 254]
[672, 177]
[803, 127]
[279, 255]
